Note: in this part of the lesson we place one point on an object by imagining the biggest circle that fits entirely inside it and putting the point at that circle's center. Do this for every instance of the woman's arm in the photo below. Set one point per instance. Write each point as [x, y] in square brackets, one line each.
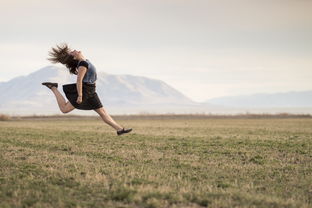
[81, 72]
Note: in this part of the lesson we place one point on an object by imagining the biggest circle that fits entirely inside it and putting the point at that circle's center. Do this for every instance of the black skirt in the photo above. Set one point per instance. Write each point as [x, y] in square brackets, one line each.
[90, 99]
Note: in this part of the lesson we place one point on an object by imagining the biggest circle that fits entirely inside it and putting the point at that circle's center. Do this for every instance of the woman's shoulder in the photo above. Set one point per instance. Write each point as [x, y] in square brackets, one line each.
[84, 63]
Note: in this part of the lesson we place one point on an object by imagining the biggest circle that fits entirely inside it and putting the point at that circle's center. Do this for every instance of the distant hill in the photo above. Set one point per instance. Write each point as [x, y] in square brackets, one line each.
[25, 94]
[128, 94]
[264, 100]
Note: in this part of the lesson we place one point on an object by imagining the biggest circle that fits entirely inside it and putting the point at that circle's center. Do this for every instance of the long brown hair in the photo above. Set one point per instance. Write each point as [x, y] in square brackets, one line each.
[60, 54]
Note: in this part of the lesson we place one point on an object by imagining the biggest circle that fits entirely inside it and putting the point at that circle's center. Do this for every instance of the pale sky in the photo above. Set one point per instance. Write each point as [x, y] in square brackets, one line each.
[203, 48]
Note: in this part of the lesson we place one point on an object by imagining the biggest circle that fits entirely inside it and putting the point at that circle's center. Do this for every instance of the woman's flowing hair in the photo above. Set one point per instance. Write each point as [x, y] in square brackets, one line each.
[60, 54]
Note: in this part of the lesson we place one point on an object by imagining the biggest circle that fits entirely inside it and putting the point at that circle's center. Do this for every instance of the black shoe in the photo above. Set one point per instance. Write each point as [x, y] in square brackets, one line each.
[123, 131]
[50, 84]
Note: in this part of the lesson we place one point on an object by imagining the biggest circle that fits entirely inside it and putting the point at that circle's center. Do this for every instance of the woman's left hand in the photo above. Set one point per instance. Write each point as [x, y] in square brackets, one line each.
[79, 99]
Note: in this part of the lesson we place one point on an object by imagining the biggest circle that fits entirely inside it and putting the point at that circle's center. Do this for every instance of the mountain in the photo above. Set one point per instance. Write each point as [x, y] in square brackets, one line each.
[26, 95]
[282, 100]
[127, 94]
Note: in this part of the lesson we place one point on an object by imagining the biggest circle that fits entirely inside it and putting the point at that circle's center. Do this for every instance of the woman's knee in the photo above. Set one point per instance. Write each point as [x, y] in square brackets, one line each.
[65, 111]
[67, 108]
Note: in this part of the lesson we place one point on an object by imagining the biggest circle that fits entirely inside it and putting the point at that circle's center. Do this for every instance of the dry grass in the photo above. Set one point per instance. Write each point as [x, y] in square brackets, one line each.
[202, 162]
[168, 116]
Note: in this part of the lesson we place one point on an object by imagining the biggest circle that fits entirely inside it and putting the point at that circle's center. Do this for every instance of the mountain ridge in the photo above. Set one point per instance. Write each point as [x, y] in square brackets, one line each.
[26, 92]
[277, 99]
[130, 94]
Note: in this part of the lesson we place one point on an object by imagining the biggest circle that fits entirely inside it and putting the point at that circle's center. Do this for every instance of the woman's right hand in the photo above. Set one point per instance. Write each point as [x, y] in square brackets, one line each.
[79, 99]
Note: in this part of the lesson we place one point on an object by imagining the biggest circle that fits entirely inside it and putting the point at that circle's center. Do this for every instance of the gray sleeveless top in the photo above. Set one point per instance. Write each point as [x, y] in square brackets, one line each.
[90, 76]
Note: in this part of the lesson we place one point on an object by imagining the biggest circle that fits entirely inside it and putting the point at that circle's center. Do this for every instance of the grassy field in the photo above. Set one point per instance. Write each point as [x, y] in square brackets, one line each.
[173, 162]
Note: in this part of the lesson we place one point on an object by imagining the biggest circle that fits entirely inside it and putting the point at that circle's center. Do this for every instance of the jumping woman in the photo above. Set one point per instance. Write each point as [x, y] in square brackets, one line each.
[82, 94]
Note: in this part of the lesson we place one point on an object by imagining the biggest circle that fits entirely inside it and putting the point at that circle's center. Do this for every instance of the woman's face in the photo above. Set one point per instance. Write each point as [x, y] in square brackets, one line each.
[76, 54]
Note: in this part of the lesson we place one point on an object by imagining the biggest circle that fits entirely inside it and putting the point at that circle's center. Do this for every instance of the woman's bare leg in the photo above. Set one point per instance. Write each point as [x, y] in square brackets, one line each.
[65, 107]
[108, 119]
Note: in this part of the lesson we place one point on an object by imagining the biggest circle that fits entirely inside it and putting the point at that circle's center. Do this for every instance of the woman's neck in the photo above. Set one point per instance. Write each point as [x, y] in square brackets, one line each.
[81, 58]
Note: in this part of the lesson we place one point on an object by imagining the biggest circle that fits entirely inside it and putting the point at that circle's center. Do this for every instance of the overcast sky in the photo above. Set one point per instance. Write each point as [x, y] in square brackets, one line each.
[203, 48]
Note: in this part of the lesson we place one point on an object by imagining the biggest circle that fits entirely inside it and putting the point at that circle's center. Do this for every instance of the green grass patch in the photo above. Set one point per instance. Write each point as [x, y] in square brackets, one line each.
[162, 163]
